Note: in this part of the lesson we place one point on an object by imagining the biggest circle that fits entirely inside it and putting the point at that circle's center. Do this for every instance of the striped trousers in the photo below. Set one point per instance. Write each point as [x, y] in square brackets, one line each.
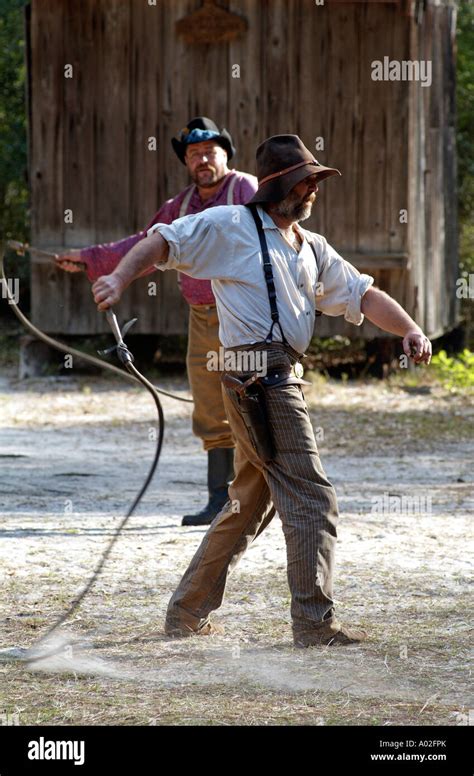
[294, 484]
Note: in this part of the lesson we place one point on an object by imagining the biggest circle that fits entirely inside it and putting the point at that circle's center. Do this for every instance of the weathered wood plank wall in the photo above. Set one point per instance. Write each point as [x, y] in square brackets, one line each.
[432, 171]
[303, 68]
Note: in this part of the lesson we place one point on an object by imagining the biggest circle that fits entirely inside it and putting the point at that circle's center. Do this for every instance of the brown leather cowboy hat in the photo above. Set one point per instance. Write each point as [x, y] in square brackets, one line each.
[282, 162]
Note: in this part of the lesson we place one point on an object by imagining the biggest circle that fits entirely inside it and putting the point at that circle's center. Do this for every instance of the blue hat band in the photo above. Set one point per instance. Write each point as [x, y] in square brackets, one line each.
[199, 135]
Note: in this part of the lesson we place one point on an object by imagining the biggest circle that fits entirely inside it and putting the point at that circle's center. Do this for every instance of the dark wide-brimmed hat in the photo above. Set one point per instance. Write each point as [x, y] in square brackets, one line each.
[282, 162]
[199, 130]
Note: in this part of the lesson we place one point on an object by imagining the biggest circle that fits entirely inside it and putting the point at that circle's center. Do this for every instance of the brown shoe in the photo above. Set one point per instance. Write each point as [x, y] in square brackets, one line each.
[179, 630]
[335, 634]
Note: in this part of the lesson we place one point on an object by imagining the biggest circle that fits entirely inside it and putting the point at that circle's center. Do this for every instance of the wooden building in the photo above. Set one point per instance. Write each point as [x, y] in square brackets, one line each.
[298, 66]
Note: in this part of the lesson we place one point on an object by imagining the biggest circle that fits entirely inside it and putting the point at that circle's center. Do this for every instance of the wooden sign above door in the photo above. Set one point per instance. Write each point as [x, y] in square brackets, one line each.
[211, 24]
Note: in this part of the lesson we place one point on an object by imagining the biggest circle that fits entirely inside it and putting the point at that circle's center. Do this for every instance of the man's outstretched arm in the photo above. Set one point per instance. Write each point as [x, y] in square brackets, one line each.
[99, 259]
[108, 289]
[388, 315]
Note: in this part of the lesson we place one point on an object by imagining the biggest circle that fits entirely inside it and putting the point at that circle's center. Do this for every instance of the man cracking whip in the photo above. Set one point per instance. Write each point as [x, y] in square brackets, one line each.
[269, 276]
[206, 151]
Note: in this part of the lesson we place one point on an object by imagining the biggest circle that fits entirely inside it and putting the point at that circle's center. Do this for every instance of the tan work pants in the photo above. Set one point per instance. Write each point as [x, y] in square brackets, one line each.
[209, 419]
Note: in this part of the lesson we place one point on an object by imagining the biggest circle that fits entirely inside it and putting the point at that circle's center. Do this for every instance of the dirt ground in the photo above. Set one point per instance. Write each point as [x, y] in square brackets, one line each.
[74, 452]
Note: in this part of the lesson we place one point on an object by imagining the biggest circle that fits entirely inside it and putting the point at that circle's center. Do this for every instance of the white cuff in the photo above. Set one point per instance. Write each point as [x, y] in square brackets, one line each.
[172, 247]
[153, 229]
[353, 312]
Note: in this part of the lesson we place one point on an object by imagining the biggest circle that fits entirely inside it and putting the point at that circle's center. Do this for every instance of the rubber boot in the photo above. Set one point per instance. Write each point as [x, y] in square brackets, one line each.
[220, 473]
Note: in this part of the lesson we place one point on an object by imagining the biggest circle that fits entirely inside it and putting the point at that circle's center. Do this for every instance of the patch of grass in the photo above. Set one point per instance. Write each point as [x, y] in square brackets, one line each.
[455, 372]
[66, 701]
[350, 427]
[318, 379]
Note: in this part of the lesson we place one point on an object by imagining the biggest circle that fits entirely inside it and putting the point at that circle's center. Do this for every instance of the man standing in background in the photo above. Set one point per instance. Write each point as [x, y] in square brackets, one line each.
[206, 152]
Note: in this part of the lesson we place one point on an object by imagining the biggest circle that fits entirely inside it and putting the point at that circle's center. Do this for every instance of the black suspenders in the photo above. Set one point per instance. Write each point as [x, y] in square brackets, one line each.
[268, 272]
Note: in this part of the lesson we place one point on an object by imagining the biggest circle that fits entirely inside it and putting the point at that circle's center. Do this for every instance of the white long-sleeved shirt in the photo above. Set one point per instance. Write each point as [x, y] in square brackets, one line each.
[222, 244]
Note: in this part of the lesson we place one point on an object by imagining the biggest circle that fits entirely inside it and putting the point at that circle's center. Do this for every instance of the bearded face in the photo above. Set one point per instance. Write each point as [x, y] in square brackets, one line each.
[206, 163]
[298, 204]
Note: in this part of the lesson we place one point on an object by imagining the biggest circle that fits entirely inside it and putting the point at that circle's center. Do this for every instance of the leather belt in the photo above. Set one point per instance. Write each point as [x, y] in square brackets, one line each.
[273, 378]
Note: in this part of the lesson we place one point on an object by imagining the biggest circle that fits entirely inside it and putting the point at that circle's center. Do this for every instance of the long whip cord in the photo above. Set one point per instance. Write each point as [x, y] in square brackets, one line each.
[132, 373]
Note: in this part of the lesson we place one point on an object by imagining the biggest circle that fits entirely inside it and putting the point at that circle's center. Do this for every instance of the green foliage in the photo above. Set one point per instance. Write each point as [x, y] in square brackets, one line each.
[330, 344]
[456, 372]
[13, 143]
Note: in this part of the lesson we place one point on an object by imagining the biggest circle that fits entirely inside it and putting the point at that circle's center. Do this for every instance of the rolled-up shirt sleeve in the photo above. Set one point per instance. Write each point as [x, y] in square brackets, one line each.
[340, 285]
[197, 244]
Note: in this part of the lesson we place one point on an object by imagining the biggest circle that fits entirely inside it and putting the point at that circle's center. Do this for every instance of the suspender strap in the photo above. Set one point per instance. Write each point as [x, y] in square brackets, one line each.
[268, 273]
[186, 201]
[311, 243]
[230, 190]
